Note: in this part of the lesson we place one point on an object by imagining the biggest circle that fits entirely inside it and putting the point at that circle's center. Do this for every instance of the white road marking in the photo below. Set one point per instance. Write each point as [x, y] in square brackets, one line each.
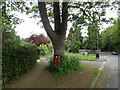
[102, 66]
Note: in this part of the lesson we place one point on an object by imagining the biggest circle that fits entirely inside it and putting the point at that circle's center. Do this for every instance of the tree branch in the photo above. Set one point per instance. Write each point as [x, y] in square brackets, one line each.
[44, 19]
[64, 17]
[56, 10]
[84, 13]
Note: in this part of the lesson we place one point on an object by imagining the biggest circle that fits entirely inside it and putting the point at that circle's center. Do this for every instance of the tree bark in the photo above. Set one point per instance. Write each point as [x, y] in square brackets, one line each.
[44, 19]
[58, 35]
[58, 45]
[56, 10]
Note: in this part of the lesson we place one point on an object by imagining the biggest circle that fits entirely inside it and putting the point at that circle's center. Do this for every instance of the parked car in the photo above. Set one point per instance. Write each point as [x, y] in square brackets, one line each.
[114, 53]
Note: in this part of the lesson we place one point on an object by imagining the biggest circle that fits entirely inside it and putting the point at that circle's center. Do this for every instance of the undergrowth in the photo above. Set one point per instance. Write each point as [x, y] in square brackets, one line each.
[68, 64]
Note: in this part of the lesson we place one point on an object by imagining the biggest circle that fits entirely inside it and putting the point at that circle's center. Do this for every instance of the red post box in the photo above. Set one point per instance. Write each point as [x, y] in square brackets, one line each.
[56, 60]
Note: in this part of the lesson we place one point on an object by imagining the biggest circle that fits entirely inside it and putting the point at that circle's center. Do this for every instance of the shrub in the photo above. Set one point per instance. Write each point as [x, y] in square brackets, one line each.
[17, 58]
[43, 50]
[68, 64]
[50, 47]
[38, 39]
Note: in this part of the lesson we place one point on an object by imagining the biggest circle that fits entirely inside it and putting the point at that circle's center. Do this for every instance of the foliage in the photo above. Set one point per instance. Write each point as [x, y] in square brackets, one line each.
[89, 12]
[86, 12]
[17, 57]
[68, 64]
[50, 47]
[9, 20]
[37, 39]
[74, 40]
[93, 36]
[110, 37]
[43, 50]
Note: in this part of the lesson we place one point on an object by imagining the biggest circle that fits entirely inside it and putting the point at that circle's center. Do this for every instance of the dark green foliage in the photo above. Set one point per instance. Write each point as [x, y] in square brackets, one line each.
[74, 41]
[110, 38]
[50, 47]
[43, 50]
[17, 58]
[93, 36]
[68, 64]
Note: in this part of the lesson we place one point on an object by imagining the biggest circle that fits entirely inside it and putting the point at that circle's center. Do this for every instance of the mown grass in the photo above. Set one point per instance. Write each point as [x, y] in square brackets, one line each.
[82, 54]
[86, 58]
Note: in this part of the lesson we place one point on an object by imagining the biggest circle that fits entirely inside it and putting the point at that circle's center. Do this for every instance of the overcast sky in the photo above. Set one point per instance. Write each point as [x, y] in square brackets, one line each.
[29, 26]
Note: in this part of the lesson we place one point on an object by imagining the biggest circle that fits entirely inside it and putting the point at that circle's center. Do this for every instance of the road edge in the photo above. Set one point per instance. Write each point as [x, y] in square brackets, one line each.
[100, 69]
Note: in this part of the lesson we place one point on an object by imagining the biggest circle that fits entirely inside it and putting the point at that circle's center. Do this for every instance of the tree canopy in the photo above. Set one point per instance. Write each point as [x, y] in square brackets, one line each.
[110, 37]
[86, 14]
[37, 39]
[74, 41]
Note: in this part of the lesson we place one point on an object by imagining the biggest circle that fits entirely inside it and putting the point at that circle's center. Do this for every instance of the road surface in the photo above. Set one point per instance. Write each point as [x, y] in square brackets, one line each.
[110, 72]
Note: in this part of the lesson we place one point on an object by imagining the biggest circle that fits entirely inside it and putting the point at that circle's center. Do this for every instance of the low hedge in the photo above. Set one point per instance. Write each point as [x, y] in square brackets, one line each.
[17, 57]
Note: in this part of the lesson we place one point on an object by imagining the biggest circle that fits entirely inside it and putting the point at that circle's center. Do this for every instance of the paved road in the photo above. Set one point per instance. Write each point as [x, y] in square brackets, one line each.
[111, 72]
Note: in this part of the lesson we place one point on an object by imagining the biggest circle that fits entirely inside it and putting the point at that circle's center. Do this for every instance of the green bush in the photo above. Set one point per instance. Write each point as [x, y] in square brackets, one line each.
[50, 47]
[17, 57]
[68, 64]
[43, 50]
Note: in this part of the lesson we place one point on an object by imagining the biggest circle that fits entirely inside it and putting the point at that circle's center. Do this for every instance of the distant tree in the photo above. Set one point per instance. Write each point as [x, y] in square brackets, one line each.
[74, 40]
[61, 13]
[37, 39]
[93, 36]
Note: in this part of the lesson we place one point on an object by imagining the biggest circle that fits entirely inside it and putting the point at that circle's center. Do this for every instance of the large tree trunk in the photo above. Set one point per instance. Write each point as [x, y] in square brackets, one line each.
[58, 45]
[58, 35]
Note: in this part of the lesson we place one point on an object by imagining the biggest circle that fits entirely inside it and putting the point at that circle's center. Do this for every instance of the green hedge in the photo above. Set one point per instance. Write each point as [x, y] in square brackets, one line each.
[43, 50]
[17, 57]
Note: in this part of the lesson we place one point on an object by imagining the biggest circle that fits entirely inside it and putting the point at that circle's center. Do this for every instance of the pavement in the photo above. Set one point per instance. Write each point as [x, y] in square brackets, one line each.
[40, 77]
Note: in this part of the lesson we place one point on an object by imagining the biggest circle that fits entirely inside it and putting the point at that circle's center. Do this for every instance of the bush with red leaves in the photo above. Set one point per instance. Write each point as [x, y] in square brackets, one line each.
[37, 39]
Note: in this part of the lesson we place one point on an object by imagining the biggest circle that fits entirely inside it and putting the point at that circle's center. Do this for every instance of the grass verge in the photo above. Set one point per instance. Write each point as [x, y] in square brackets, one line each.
[82, 54]
[86, 58]
[96, 71]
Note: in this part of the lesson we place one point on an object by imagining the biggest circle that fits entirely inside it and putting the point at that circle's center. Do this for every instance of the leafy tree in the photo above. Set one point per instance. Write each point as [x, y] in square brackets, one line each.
[9, 21]
[93, 33]
[37, 39]
[17, 55]
[88, 12]
[74, 40]
[60, 13]
[57, 35]
[110, 38]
